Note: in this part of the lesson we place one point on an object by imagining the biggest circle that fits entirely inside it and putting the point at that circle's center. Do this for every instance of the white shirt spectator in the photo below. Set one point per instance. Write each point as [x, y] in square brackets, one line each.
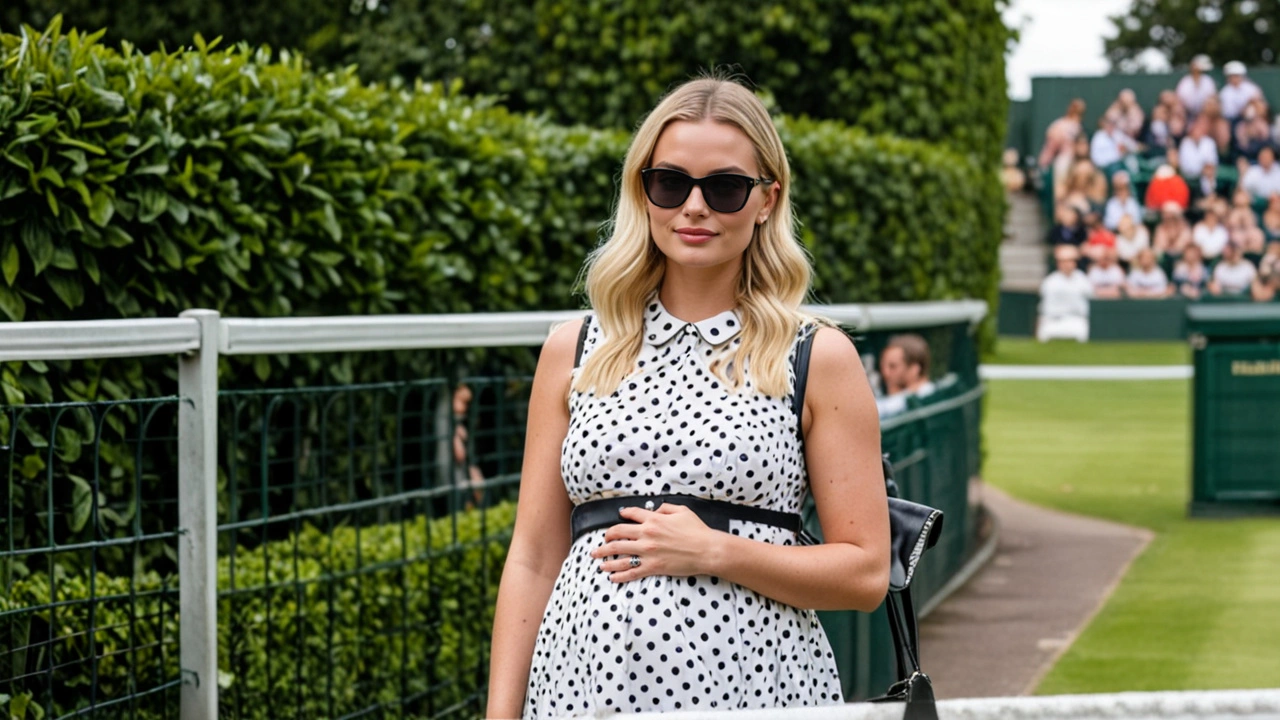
[1235, 97]
[1193, 94]
[1262, 182]
[1102, 278]
[1193, 155]
[1065, 295]
[1153, 280]
[1128, 248]
[897, 402]
[1210, 240]
[1110, 147]
[1235, 278]
[1117, 208]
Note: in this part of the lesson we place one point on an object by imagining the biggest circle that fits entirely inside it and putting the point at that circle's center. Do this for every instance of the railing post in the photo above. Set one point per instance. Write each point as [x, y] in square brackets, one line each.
[197, 519]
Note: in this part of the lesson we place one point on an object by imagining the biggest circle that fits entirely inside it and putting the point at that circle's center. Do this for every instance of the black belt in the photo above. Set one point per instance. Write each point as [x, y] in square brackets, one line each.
[596, 514]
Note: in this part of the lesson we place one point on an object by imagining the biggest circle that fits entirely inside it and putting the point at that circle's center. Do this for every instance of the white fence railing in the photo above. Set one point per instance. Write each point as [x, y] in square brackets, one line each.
[198, 337]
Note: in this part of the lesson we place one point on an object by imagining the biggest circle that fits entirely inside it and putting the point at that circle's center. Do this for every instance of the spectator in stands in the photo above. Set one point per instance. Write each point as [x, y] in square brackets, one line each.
[1242, 224]
[1128, 113]
[1086, 186]
[1264, 287]
[1131, 238]
[1196, 87]
[1122, 203]
[1064, 299]
[1012, 176]
[1068, 226]
[1097, 237]
[1197, 150]
[1216, 126]
[1238, 91]
[1208, 187]
[1059, 144]
[1105, 274]
[1253, 132]
[1263, 180]
[1146, 279]
[1191, 275]
[904, 370]
[1210, 234]
[1173, 234]
[1271, 218]
[1156, 136]
[1110, 144]
[1269, 263]
[1167, 186]
[1233, 274]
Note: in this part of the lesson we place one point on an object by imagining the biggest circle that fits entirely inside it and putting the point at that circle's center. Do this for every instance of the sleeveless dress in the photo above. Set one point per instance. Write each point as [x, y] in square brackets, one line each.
[661, 644]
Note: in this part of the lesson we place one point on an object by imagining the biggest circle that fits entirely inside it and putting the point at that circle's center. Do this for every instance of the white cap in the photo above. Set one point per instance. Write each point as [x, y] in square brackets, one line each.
[1235, 67]
[1202, 62]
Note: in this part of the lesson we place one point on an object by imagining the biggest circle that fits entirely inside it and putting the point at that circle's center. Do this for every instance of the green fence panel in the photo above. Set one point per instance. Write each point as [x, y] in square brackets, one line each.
[88, 560]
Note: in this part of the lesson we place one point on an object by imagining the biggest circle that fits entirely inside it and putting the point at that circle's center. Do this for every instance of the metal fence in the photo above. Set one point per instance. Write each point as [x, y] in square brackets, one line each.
[325, 551]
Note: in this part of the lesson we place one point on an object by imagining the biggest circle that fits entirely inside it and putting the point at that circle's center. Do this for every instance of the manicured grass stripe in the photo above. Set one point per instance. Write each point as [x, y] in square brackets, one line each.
[1025, 351]
[1200, 609]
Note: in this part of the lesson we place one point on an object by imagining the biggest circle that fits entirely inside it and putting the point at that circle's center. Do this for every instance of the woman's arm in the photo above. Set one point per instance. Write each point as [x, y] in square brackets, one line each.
[842, 443]
[540, 541]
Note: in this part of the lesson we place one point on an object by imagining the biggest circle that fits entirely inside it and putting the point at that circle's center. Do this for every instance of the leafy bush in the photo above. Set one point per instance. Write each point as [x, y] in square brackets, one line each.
[924, 69]
[321, 624]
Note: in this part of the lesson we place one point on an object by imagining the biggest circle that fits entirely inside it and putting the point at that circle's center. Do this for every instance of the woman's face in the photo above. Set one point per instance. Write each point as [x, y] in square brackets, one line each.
[694, 235]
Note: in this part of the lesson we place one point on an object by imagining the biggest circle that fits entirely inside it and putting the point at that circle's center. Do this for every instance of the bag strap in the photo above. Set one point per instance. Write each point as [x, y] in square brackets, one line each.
[582, 340]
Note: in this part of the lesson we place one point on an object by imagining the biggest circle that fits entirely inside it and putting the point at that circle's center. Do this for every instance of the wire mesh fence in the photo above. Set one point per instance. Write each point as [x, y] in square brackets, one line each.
[361, 533]
[88, 591]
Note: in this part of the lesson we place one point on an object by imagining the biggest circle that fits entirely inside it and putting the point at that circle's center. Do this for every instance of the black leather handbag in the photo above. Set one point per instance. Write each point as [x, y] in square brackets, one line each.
[914, 528]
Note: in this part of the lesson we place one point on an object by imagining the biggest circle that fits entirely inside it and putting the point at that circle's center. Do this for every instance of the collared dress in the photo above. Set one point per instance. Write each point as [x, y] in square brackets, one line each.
[662, 644]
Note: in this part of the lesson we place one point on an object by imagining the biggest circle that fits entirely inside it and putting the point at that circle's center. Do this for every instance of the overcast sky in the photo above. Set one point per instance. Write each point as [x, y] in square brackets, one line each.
[1062, 37]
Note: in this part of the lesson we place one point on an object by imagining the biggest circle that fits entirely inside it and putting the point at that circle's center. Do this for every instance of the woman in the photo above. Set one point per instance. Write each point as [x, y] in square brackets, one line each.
[1242, 223]
[1172, 234]
[684, 389]
[1271, 218]
[1131, 239]
[1191, 275]
[1059, 144]
[1068, 226]
[1210, 234]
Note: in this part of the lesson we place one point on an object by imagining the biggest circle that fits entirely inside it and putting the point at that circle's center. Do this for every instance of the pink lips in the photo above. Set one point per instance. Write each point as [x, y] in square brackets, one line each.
[694, 236]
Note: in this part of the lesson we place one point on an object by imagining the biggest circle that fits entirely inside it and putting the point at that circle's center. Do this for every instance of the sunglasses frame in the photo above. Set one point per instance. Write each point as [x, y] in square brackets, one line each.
[698, 182]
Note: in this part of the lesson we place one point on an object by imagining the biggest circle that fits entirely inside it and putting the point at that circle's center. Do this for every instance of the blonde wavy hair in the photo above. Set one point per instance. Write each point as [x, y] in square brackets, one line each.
[625, 272]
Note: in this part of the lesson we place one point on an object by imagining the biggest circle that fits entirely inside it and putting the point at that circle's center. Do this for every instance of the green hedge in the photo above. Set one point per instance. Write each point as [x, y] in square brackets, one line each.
[384, 612]
[925, 69]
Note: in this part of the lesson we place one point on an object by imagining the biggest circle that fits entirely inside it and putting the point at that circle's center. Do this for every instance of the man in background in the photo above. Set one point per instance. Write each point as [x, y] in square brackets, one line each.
[904, 370]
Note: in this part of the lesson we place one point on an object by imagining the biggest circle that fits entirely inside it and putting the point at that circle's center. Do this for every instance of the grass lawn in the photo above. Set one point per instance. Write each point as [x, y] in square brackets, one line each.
[1201, 607]
[1026, 351]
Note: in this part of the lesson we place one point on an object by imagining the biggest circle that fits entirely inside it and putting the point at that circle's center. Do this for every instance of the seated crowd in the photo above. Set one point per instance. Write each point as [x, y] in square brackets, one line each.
[1183, 200]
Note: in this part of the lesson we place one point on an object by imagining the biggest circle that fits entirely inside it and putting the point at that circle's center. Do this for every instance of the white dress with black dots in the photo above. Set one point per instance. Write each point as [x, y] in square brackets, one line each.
[661, 644]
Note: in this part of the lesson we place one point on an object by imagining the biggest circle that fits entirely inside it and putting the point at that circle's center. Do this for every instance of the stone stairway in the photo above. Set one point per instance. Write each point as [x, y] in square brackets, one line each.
[1022, 254]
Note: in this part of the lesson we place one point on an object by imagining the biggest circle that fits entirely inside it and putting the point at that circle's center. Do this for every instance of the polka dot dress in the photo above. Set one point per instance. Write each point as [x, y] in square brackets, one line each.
[661, 644]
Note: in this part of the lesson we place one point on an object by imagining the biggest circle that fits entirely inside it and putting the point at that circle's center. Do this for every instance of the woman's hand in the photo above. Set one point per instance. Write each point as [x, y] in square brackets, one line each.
[671, 541]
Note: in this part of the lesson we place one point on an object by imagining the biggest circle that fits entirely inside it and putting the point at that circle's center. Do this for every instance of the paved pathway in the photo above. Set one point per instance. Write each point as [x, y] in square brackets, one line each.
[1051, 571]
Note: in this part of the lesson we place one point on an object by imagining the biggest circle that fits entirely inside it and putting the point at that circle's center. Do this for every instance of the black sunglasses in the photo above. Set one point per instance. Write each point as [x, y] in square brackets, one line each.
[724, 192]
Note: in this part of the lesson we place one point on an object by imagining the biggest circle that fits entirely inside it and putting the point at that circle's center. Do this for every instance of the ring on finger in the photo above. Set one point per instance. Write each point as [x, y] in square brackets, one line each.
[635, 561]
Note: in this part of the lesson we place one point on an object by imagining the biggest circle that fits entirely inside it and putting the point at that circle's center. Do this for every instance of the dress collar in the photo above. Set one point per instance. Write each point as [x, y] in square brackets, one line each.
[660, 326]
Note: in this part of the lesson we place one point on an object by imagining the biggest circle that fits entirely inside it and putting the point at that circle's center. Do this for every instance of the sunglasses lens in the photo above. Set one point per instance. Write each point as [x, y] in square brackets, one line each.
[726, 193]
[667, 188]
[722, 193]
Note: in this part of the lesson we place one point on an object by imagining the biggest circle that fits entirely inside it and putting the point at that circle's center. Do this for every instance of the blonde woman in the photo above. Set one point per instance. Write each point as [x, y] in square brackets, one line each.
[683, 391]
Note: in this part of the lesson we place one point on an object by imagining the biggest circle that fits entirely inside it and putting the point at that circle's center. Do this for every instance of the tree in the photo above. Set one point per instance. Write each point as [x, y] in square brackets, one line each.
[1245, 30]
